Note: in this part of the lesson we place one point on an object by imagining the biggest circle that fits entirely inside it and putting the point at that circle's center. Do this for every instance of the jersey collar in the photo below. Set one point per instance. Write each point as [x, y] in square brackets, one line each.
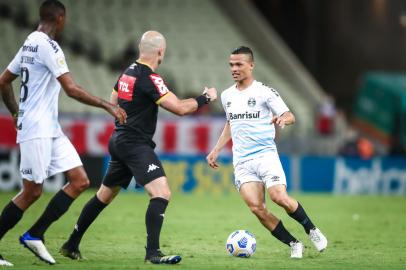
[249, 87]
[145, 64]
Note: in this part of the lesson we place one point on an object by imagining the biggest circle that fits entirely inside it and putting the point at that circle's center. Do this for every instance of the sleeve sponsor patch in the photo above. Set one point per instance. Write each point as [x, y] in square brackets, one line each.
[54, 45]
[159, 84]
[61, 61]
[126, 87]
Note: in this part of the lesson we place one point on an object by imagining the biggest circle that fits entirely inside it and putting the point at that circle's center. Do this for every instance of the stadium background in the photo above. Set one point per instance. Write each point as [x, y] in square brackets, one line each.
[340, 67]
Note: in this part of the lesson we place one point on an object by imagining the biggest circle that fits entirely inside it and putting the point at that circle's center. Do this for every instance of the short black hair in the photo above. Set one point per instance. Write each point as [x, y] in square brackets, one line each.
[244, 50]
[50, 10]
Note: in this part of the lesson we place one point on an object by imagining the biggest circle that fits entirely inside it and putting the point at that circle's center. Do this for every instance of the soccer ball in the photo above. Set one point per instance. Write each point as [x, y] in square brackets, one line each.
[241, 243]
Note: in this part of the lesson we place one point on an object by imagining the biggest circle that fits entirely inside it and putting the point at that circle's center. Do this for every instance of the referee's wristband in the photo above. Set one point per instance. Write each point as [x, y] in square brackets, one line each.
[202, 100]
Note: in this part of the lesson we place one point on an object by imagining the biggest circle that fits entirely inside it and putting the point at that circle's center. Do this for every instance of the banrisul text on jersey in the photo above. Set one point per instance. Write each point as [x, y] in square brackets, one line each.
[246, 115]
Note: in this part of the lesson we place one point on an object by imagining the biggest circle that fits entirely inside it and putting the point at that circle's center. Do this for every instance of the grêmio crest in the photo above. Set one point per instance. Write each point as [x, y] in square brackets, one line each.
[252, 102]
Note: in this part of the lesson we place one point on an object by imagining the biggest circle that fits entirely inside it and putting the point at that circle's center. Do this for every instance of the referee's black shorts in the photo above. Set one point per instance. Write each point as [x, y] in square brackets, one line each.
[128, 160]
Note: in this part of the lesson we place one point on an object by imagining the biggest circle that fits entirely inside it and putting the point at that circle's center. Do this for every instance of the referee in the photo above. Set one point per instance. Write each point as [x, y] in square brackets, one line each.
[139, 91]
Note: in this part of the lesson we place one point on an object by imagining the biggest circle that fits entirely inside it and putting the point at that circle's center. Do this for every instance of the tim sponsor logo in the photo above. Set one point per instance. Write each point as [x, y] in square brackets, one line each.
[246, 115]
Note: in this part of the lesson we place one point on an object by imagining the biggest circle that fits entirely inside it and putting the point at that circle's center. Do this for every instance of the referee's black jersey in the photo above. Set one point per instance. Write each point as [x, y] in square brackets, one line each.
[139, 92]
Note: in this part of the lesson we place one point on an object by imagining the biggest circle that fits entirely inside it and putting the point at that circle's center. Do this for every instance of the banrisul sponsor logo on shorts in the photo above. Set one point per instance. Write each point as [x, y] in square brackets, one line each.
[246, 115]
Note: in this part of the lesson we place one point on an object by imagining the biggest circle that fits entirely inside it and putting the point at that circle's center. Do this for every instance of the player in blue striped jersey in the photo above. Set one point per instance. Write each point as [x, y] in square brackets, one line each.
[252, 110]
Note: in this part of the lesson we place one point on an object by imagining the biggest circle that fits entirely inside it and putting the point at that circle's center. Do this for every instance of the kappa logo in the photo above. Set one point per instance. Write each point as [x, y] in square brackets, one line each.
[152, 167]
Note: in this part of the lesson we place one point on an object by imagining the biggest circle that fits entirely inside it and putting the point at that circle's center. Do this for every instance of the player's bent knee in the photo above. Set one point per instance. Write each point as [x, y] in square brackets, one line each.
[85, 184]
[281, 200]
[82, 184]
[166, 194]
[258, 210]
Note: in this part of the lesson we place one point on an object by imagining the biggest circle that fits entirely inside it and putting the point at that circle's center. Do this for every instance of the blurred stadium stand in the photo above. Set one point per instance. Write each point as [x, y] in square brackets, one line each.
[200, 36]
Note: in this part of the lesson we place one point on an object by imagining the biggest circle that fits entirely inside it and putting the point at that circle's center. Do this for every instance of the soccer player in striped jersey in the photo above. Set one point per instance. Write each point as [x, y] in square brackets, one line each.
[252, 109]
[45, 150]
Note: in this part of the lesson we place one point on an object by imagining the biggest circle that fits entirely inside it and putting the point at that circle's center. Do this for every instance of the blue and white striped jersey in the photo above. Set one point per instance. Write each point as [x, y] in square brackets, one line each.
[250, 113]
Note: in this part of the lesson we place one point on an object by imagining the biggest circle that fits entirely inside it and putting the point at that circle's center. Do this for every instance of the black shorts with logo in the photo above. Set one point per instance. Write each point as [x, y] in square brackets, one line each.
[128, 160]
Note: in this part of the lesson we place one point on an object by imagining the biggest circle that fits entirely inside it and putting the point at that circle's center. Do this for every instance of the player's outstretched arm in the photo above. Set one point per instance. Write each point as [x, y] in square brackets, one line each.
[114, 98]
[222, 141]
[6, 88]
[285, 119]
[77, 92]
[187, 106]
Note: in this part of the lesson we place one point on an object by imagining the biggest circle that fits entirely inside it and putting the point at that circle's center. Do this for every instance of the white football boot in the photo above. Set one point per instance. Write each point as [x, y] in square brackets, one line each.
[3, 262]
[318, 239]
[36, 246]
[296, 250]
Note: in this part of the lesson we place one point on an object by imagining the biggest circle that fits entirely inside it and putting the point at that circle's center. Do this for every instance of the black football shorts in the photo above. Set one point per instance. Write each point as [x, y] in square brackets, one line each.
[128, 160]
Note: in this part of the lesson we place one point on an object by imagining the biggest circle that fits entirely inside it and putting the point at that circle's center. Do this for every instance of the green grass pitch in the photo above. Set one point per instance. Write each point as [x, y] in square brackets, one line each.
[364, 232]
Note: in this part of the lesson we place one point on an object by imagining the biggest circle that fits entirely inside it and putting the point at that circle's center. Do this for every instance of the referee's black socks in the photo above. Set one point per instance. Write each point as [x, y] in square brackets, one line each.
[89, 213]
[58, 206]
[10, 216]
[300, 216]
[154, 218]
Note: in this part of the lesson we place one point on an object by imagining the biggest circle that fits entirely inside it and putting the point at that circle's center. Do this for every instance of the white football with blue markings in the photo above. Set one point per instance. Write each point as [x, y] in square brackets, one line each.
[241, 243]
